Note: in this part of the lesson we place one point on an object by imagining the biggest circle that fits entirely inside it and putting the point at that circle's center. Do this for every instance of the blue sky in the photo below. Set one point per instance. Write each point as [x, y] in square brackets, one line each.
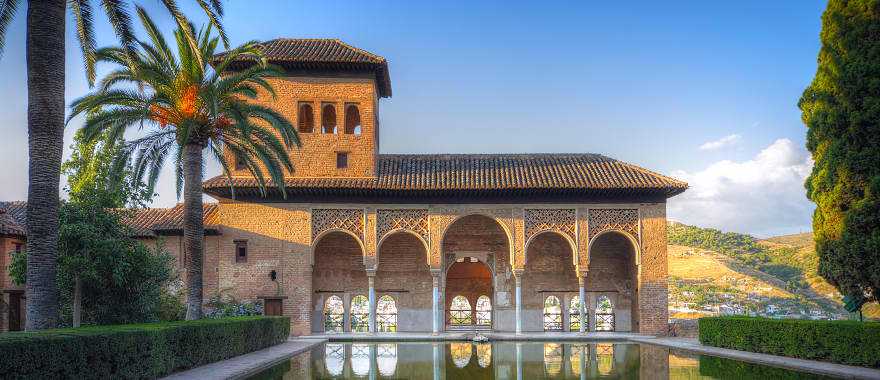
[706, 91]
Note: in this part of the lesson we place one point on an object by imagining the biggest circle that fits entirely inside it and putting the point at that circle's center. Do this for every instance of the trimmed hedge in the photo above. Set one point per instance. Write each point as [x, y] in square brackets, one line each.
[845, 342]
[139, 351]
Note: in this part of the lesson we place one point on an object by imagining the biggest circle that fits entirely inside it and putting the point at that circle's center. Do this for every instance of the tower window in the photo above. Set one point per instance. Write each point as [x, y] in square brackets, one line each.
[241, 251]
[306, 122]
[18, 247]
[341, 160]
[239, 164]
[352, 120]
[328, 119]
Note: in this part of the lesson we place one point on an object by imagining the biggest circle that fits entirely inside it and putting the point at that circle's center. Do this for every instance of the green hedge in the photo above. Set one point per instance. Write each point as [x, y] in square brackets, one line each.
[845, 342]
[139, 351]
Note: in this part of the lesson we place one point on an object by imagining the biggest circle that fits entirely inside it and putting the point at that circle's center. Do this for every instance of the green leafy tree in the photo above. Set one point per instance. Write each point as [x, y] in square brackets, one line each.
[97, 172]
[186, 108]
[841, 109]
[45, 47]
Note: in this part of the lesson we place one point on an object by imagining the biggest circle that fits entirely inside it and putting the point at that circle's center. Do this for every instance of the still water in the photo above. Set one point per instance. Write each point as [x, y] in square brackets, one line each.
[514, 360]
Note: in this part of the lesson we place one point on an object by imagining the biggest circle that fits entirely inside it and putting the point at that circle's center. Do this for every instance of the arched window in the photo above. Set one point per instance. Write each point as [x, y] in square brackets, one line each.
[386, 314]
[484, 311]
[460, 312]
[484, 355]
[352, 120]
[604, 314]
[334, 314]
[461, 353]
[552, 358]
[386, 359]
[552, 314]
[574, 314]
[334, 358]
[306, 115]
[605, 358]
[360, 314]
[328, 118]
[360, 359]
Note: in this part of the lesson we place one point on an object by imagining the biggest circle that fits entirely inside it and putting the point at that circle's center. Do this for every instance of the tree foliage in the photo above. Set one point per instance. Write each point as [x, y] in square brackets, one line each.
[841, 109]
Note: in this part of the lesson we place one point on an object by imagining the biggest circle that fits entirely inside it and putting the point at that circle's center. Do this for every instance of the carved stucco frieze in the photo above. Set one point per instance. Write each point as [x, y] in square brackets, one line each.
[351, 220]
[604, 219]
[413, 220]
[541, 220]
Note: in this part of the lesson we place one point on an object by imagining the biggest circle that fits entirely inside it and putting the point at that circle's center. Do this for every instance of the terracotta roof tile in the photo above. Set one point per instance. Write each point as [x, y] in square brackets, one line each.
[146, 222]
[486, 173]
[9, 227]
[322, 53]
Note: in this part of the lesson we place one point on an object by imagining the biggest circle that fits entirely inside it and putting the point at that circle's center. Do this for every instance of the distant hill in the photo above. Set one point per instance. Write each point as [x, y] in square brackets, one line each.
[715, 272]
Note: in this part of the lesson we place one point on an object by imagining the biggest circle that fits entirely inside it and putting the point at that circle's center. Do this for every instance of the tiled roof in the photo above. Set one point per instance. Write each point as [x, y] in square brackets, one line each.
[316, 53]
[152, 221]
[460, 174]
[9, 227]
[146, 222]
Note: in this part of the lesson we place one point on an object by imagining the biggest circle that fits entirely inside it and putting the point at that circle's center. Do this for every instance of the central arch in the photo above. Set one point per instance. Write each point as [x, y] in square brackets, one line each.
[476, 259]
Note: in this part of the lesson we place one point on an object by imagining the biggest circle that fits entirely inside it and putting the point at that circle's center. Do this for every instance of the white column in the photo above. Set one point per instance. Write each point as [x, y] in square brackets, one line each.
[518, 303]
[371, 278]
[582, 293]
[435, 305]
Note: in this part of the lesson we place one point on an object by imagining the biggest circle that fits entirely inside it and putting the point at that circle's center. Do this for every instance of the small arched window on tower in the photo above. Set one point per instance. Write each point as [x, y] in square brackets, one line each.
[352, 120]
[306, 118]
[328, 119]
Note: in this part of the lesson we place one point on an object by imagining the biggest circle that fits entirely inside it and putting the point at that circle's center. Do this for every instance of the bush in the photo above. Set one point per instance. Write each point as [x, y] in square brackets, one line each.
[135, 351]
[225, 306]
[845, 342]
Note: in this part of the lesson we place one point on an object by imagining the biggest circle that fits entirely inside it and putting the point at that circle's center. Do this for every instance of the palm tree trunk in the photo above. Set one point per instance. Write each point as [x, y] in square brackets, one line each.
[77, 302]
[193, 227]
[45, 70]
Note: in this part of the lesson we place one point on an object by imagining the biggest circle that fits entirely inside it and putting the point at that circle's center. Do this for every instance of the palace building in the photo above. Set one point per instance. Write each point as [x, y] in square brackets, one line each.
[365, 241]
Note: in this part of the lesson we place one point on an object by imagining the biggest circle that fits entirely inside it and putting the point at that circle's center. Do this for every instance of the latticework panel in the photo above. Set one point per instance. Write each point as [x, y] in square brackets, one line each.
[415, 220]
[626, 220]
[351, 220]
[540, 220]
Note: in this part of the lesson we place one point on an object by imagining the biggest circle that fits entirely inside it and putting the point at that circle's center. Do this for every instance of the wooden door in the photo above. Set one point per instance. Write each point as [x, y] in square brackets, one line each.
[14, 312]
[273, 307]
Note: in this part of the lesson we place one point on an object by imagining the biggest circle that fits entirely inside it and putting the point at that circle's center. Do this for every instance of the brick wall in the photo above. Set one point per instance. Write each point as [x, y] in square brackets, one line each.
[403, 272]
[653, 306]
[317, 155]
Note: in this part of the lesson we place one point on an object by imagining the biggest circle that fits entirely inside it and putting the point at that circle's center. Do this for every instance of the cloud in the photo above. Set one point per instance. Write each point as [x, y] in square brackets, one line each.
[721, 143]
[763, 196]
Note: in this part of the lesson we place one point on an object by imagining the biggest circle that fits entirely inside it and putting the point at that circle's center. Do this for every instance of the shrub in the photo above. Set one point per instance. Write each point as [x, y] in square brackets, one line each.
[845, 342]
[225, 306]
[135, 351]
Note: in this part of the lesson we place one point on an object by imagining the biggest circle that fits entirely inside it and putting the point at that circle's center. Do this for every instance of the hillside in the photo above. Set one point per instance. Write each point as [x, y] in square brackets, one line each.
[713, 272]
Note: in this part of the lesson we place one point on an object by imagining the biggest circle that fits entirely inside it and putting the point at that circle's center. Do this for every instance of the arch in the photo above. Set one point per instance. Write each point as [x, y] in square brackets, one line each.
[604, 314]
[460, 311]
[484, 355]
[352, 120]
[504, 228]
[483, 315]
[461, 353]
[552, 314]
[574, 314]
[334, 358]
[553, 359]
[334, 314]
[359, 313]
[329, 231]
[386, 314]
[360, 359]
[305, 118]
[564, 236]
[632, 239]
[328, 119]
[386, 359]
[405, 231]
[613, 260]
[337, 268]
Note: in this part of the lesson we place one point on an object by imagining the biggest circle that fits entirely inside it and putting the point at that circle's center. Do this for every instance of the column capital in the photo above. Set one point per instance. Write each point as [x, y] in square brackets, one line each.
[581, 280]
[371, 273]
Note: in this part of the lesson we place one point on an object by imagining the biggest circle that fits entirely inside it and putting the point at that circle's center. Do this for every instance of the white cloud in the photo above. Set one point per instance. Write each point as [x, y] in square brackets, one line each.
[721, 143]
[763, 196]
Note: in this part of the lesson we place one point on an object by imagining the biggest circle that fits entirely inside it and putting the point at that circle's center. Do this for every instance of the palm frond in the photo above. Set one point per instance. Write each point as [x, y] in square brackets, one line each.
[155, 35]
[120, 20]
[214, 13]
[7, 11]
[85, 33]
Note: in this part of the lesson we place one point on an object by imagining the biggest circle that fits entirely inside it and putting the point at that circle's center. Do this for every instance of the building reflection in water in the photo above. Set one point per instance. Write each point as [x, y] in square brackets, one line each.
[484, 355]
[553, 358]
[605, 358]
[334, 359]
[461, 353]
[360, 359]
[386, 359]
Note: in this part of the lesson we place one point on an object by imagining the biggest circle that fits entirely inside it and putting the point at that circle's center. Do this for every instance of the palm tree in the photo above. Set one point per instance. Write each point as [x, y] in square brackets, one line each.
[45, 73]
[187, 107]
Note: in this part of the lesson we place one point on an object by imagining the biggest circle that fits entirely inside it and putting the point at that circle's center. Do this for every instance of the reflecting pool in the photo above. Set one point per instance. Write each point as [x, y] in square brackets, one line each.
[514, 360]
